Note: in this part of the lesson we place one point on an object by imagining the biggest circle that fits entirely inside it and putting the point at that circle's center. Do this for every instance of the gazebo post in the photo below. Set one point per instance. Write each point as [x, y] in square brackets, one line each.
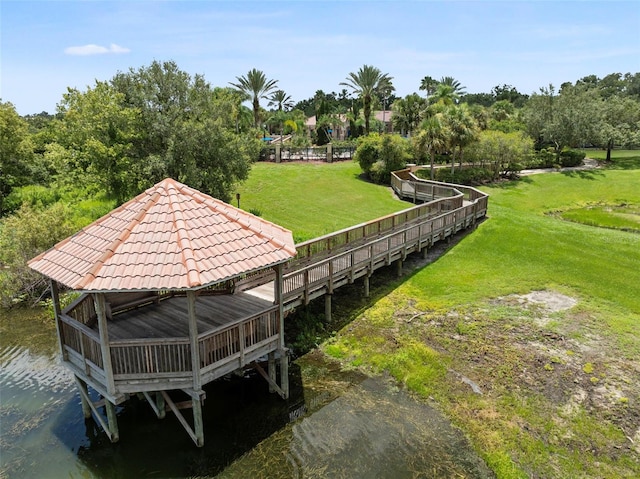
[284, 359]
[195, 370]
[55, 298]
[101, 311]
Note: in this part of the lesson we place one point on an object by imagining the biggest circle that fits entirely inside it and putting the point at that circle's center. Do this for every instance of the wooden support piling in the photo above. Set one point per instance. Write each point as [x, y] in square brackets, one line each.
[327, 307]
[198, 424]
[112, 419]
[366, 285]
[284, 373]
[271, 365]
[84, 394]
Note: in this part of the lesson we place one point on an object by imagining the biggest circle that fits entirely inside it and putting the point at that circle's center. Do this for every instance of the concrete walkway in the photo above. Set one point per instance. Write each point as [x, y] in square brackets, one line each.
[587, 164]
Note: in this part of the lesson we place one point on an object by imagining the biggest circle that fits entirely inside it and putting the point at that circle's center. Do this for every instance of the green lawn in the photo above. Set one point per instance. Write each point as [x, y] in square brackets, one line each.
[560, 391]
[315, 199]
[620, 159]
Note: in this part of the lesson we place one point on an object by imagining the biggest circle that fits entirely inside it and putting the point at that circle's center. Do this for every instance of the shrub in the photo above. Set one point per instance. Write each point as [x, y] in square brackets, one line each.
[569, 157]
[24, 235]
[367, 151]
[544, 158]
[36, 196]
[464, 176]
[379, 155]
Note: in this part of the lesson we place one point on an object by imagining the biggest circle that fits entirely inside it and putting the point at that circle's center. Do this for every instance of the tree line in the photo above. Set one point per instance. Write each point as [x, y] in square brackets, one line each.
[108, 143]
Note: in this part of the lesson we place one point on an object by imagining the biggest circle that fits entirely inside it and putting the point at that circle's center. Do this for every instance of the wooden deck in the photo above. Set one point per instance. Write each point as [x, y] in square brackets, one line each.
[168, 318]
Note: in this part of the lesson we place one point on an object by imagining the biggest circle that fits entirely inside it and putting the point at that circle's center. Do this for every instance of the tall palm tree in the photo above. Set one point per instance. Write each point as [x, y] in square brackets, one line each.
[428, 84]
[462, 130]
[432, 137]
[255, 85]
[457, 87]
[366, 83]
[280, 100]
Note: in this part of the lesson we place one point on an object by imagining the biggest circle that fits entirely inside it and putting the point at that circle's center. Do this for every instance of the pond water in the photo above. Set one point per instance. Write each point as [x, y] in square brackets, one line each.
[335, 424]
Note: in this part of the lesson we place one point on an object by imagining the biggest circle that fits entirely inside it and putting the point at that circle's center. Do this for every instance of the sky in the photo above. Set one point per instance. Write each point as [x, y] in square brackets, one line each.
[308, 45]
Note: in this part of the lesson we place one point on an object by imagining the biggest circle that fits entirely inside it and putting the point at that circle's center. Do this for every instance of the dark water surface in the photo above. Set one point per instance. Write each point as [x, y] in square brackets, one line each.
[336, 424]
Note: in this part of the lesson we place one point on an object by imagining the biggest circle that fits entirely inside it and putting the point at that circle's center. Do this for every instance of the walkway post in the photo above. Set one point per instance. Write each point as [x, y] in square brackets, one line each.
[327, 307]
[366, 284]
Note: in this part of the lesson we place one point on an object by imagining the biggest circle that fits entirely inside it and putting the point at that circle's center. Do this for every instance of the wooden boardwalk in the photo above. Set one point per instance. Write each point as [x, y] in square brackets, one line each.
[326, 263]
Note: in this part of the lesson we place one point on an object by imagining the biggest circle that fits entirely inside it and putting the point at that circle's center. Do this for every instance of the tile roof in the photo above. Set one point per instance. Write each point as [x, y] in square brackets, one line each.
[169, 237]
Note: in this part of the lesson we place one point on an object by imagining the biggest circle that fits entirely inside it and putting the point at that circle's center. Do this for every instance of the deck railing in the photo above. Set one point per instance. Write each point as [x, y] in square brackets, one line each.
[81, 344]
[163, 358]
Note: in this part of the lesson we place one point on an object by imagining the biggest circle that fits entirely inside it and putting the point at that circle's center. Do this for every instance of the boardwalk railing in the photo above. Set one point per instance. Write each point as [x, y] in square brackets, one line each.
[306, 282]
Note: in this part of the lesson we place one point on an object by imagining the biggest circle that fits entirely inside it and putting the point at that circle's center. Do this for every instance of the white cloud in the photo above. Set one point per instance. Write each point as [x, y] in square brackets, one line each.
[92, 49]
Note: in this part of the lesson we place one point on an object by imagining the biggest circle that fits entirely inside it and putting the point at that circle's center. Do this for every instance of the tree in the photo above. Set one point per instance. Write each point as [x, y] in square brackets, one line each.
[445, 95]
[408, 113]
[618, 123]
[96, 135]
[506, 152]
[256, 86]
[431, 138]
[538, 113]
[428, 85]
[510, 94]
[187, 130]
[280, 100]
[366, 83]
[455, 85]
[16, 152]
[461, 128]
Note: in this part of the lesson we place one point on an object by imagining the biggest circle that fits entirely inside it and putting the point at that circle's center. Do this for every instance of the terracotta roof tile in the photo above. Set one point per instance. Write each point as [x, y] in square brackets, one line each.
[169, 237]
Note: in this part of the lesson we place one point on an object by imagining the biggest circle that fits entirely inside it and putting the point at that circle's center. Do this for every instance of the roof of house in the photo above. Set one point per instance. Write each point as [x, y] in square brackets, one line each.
[169, 237]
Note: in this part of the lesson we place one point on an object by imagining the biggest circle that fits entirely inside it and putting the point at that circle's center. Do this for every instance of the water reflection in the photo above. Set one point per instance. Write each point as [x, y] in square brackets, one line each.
[335, 424]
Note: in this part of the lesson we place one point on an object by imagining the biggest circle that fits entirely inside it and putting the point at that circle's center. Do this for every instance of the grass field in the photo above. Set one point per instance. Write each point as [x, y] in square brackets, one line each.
[560, 394]
[315, 199]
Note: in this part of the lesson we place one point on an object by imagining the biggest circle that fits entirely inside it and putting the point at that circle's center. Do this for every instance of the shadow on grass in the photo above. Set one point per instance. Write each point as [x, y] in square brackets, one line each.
[628, 163]
[306, 326]
[510, 184]
[584, 174]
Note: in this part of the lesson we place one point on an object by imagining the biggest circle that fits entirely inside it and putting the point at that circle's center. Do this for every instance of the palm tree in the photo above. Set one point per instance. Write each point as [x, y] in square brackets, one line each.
[366, 84]
[408, 113]
[445, 95]
[428, 84]
[255, 85]
[281, 100]
[432, 137]
[462, 130]
[457, 87]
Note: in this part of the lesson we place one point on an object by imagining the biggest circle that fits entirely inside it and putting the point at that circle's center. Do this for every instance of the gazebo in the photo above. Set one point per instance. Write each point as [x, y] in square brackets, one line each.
[166, 301]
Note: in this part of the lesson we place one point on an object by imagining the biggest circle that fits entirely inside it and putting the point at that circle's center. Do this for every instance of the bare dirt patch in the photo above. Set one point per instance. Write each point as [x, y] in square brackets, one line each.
[541, 361]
